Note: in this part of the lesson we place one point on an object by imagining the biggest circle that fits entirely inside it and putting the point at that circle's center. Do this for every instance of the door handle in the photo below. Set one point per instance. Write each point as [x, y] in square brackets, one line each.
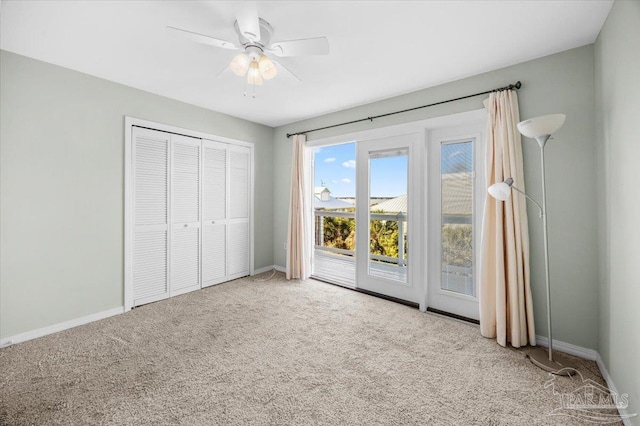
[213, 221]
[185, 225]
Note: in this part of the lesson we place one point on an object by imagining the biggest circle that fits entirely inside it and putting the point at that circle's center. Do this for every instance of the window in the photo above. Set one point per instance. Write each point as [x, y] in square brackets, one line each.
[456, 217]
[334, 218]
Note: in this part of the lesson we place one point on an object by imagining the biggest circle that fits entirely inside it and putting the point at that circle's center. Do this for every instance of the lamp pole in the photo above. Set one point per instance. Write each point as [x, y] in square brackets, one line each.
[540, 129]
[542, 141]
[559, 365]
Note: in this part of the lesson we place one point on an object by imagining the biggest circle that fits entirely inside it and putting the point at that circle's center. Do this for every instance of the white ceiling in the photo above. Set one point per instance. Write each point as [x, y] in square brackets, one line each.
[378, 49]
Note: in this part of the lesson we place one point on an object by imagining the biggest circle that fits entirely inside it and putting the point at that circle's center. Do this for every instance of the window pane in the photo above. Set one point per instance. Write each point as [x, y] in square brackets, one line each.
[456, 170]
[388, 214]
[334, 214]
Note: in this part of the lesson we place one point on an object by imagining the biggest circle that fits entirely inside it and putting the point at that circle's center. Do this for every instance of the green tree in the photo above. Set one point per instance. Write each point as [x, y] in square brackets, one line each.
[339, 232]
[383, 237]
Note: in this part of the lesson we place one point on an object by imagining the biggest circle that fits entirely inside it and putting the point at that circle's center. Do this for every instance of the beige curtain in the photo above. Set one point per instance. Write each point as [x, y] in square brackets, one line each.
[506, 307]
[298, 238]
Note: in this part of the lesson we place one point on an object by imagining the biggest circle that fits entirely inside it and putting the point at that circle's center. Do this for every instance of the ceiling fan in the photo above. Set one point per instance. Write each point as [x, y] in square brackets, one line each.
[254, 39]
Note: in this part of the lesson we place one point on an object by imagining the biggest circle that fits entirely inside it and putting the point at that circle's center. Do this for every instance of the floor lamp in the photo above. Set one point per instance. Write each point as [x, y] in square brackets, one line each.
[540, 129]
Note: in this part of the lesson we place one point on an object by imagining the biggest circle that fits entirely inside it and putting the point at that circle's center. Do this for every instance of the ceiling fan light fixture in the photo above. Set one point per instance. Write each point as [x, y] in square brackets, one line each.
[254, 37]
[253, 76]
[240, 64]
[267, 68]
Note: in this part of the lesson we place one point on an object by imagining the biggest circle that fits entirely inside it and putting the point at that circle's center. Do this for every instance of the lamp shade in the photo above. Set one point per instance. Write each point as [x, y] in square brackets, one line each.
[240, 64]
[500, 191]
[253, 76]
[268, 69]
[544, 125]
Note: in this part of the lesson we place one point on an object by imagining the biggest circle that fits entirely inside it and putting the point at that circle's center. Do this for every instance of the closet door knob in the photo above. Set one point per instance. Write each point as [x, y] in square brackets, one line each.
[213, 221]
[185, 225]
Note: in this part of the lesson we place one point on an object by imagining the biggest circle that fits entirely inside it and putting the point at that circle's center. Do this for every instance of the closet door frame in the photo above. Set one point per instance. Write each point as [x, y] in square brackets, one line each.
[129, 124]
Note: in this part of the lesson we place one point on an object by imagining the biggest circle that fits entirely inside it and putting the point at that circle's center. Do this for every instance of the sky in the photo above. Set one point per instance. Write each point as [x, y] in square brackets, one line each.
[335, 168]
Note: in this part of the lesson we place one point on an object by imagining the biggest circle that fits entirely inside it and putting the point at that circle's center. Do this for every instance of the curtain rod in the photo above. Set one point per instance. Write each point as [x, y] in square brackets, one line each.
[516, 86]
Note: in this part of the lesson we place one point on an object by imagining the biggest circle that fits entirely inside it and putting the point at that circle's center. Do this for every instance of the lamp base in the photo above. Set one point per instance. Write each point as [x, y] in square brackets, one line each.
[559, 366]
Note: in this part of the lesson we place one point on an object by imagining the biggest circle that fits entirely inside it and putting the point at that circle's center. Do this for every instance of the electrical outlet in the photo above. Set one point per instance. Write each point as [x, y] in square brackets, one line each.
[285, 245]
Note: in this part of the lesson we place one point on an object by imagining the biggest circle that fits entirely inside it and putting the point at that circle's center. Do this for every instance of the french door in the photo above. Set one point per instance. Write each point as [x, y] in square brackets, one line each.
[454, 202]
[387, 211]
[418, 201]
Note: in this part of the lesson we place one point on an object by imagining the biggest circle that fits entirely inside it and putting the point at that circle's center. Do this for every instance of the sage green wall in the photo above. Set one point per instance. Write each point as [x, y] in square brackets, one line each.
[62, 185]
[617, 64]
[559, 83]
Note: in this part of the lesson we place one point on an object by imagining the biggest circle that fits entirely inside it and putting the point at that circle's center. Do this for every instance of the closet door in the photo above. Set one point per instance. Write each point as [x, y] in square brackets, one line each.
[215, 200]
[239, 207]
[150, 164]
[185, 214]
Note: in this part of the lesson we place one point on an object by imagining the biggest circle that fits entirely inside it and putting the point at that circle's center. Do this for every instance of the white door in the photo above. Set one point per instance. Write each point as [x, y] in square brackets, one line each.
[215, 199]
[239, 211]
[150, 200]
[188, 212]
[185, 214]
[387, 207]
[455, 201]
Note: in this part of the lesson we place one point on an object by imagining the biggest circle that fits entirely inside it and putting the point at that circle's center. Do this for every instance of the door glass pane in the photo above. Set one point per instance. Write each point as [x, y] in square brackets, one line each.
[388, 214]
[334, 217]
[456, 168]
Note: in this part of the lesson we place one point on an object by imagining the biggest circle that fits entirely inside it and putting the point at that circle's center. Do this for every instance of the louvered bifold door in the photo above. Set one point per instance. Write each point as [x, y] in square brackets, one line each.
[185, 215]
[149, 165]
[215, 200]
[239, 208]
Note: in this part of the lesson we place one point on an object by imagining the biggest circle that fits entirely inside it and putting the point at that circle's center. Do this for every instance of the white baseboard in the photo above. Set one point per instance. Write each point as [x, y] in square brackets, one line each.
[568, 348]
[269, 268]
[40, 332]
[612, 387]
[262, 270]
[33, 334]
[591, 355]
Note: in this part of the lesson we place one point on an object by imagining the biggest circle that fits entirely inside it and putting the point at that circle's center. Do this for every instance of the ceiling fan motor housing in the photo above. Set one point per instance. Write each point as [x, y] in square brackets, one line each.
[266, 31]
[254, 52]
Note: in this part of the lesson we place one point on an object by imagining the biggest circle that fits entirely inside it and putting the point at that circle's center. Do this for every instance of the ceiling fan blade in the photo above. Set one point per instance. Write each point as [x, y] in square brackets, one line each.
[201, 38]
[248, 20]
[303, 47]
[222, 71]
[280, 64]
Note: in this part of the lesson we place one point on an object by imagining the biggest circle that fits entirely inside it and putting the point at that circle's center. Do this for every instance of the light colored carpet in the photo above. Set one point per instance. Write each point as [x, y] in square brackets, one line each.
[275, 352]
